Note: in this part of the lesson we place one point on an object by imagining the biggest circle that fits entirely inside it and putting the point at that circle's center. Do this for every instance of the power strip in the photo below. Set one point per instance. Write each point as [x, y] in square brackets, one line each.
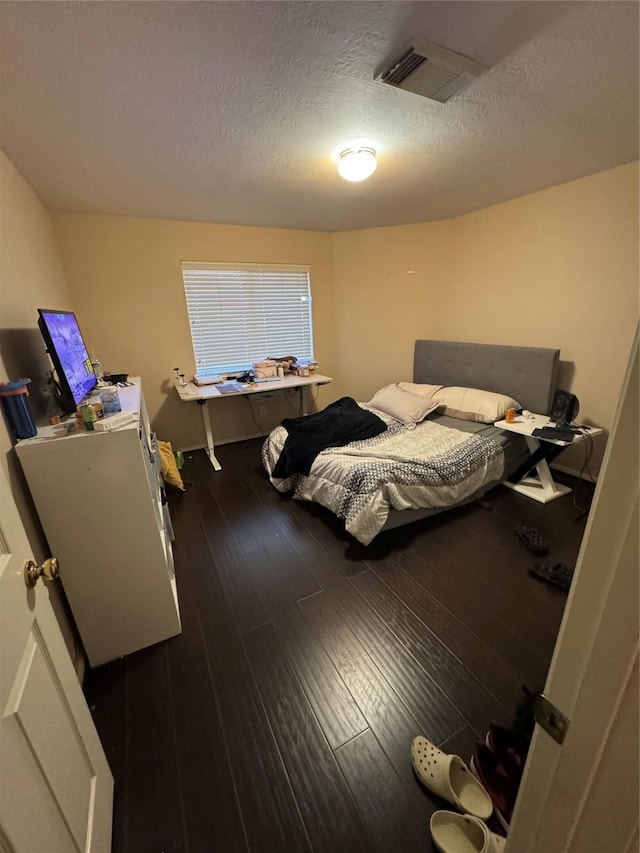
[114, 422]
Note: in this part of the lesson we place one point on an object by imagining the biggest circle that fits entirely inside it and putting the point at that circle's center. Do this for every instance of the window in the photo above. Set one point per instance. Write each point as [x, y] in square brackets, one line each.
[241, 313]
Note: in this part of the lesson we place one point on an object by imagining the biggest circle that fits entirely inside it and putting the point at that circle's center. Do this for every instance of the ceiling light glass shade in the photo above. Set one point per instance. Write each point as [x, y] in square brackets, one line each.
[356, 164]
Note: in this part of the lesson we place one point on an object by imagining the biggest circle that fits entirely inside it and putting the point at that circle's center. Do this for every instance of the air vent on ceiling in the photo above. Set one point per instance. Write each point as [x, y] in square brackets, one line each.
[431, 71]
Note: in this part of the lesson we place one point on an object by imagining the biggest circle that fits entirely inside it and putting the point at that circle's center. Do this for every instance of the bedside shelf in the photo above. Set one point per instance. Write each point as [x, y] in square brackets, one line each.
[541, 486]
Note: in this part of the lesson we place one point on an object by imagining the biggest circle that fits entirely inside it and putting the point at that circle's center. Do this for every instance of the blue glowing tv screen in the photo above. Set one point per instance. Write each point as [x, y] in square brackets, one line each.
[69, 355]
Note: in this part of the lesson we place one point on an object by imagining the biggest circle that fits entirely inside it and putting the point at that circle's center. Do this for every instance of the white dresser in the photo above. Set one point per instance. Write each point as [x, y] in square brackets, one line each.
[98, 495]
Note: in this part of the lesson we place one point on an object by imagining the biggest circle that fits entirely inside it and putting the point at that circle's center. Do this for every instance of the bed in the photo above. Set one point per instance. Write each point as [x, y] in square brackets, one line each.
[405, 474]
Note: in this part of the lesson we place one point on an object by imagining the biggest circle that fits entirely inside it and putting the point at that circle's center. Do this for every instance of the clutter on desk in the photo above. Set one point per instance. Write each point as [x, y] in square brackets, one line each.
[232, 387]
[117, 379]
[97, 367]
[110, 399]
[292, 366]
[14, 396]
[305, 368]
[110, 423]
[265, 369]
[205, 378]
[246, 378]
[272, 368]
[84, 417]
[89, 416]
[284, 361]
[262, 370]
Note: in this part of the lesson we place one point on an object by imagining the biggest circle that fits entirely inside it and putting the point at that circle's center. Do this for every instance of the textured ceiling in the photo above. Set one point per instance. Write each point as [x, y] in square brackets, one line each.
[231, 112]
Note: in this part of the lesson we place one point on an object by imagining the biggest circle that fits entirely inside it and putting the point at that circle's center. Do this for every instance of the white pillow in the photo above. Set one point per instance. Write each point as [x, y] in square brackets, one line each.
[426, 391]
[472, 404]
[402, 405]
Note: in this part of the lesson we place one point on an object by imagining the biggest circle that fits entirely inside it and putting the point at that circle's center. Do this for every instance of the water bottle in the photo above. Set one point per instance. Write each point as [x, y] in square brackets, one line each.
[14, 396]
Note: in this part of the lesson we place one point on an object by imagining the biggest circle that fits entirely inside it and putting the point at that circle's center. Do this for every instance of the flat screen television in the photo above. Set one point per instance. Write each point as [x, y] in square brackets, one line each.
[67, 350]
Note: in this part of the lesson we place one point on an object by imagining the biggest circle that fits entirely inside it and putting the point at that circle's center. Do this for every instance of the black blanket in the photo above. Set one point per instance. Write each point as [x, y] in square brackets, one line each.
[340, 423]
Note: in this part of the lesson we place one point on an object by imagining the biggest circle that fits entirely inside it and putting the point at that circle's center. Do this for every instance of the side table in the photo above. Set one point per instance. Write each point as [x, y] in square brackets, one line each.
[541, 486]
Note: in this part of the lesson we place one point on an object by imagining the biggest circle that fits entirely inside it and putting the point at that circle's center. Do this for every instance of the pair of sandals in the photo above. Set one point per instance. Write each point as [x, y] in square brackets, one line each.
[558, 574]
[448, 777]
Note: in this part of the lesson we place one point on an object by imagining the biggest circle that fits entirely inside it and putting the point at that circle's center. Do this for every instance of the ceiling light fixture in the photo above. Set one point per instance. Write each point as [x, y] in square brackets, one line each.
[356, 164]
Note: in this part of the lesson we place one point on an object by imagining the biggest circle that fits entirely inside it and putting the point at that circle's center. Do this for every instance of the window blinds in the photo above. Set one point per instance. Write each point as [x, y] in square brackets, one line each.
[241, 313]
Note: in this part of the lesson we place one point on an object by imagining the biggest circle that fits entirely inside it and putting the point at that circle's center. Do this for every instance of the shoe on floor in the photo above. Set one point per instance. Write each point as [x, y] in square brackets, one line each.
[558, 574]
[507, 751]
[499, 739]
[456, 833]
[449, 778]
[532, 539]
[502, 789]
[523, 722]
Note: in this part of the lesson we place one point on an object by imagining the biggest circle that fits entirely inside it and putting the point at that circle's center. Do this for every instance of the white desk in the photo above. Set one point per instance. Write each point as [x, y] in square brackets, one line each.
[541, 487]
[203, 394]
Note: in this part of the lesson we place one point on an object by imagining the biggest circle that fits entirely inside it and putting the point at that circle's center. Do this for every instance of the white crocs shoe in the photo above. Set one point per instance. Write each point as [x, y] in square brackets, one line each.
[457, 833]
[450, 778]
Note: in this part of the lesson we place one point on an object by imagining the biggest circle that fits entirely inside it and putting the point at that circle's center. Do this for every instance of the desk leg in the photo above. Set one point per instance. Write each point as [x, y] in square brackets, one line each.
[304, 395]
[210, 449]
[542, 487]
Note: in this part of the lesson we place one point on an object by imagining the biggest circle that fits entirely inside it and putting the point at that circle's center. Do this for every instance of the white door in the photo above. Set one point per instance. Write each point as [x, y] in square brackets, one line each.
[56, 789]
[582, 797]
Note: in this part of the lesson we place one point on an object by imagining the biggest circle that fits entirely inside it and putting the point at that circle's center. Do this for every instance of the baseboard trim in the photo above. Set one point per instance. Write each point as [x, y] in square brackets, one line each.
[572, 472]
[80, 666]
[224, 441]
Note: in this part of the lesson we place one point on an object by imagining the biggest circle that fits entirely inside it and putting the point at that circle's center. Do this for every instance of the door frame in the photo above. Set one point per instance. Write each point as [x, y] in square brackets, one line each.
[594, 661]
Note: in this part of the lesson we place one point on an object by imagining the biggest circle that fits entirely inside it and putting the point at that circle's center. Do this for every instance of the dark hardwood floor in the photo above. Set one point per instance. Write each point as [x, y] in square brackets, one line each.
[281, 718]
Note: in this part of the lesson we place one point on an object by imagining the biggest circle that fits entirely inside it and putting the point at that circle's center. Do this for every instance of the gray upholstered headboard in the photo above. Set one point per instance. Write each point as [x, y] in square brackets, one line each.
[528, 374]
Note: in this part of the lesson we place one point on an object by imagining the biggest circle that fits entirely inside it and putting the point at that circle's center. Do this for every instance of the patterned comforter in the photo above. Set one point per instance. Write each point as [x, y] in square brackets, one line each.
[429, 466]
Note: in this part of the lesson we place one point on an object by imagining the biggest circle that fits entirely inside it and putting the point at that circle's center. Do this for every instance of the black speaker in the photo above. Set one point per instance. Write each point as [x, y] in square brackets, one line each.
[565, 408]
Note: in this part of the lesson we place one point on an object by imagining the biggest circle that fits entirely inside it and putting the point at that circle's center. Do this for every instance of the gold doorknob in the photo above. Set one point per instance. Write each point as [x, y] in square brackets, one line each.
[32, 571]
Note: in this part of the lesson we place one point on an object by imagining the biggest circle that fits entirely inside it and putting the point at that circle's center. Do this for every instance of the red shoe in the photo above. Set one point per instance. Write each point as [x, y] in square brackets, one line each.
[506, 750]
[502, 789]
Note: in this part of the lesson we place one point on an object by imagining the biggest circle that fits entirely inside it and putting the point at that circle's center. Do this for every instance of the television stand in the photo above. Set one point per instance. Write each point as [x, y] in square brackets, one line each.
[102, 507]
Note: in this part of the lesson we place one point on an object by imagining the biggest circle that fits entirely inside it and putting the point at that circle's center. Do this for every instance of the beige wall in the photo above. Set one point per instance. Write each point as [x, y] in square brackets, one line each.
[558, 268]
[126, 285]
[31, 277]
[391, 288]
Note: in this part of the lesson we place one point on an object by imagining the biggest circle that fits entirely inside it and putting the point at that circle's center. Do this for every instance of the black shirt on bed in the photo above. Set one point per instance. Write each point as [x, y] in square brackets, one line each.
[339, 424]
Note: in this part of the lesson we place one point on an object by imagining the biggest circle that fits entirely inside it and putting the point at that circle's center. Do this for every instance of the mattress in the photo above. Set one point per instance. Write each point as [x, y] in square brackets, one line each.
[441, 463]
[513, 446]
